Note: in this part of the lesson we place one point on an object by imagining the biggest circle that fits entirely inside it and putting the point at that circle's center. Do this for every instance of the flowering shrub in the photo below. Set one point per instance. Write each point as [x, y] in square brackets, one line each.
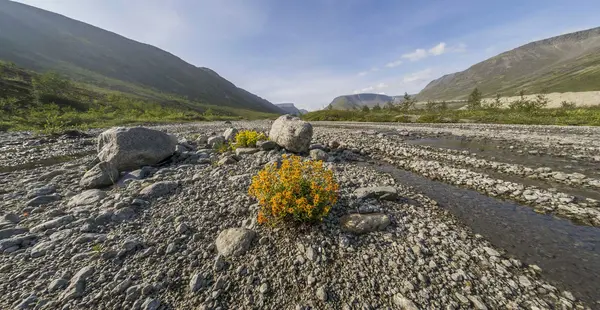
[297, 190]
[248, 138]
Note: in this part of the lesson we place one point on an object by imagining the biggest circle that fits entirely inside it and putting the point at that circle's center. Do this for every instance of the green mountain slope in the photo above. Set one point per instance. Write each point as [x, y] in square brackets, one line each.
[356, 101]
[569, 62]
[40, 40]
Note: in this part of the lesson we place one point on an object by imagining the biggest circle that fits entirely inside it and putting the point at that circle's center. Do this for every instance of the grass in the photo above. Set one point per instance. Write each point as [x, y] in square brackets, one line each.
[50, 103]
[582, 116]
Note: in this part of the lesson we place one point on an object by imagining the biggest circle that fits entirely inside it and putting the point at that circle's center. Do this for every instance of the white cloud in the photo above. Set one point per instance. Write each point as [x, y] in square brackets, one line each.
[393, 64]
[374, 69]
[418, 76]
[416, 55]
[438, 49]
[363, 73]
[381, 86]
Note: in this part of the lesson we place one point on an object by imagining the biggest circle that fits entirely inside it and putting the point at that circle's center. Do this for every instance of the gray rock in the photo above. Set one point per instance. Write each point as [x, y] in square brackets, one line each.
[229, 134]
[380, 192]
[364, 223]
[77, 284]
[9, 232]
[291, 133]
[227, 160]
[197, 282]
[479, 305]
[51, 174]
[319, 154]
[219, 263]
[245, 150]
[159, 189]
[491, 252]
[86, 198]
[150, 304]
[404, 303]
[10, 218]
[28, 303]
[322, 293]
[57, 222]
[101, 175]
[42, 248]
[215, 141]
[131, 148]
[40, 191]
[42, 200]
[267, 145]
[13, 242]
[57, 284]
[234, 241]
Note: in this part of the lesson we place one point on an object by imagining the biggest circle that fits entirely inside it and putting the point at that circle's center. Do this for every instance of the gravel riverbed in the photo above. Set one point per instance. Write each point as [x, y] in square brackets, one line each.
[183, 234]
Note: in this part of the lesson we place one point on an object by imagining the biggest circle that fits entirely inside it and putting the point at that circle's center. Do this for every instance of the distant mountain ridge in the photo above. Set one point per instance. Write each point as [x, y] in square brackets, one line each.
[40, 40]
[290, 108]
[357, 101]
[565, 63]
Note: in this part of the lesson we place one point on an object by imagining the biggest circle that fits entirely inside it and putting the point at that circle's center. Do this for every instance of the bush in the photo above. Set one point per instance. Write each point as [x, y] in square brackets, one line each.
[248, 138]
[297, 190]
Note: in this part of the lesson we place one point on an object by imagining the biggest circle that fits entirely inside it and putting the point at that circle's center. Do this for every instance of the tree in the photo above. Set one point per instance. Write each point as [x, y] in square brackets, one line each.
[365, 108]
[377, 107]
[408, 102]
[474, 101]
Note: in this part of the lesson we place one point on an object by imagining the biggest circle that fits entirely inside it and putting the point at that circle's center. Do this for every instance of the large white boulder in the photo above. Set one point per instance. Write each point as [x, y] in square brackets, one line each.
[131, 148]
[291, 133]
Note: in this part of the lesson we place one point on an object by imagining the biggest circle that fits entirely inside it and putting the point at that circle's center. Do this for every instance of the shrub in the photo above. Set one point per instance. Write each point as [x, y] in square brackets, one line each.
[567, 105]
[298, 190]
[248, 138]
[474, 101]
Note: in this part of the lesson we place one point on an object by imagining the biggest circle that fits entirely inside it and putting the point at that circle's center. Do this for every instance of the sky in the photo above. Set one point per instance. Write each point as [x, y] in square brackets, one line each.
[310, 51]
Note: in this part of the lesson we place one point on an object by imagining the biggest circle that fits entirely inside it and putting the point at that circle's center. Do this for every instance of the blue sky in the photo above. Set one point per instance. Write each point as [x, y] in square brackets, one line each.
[309, 51]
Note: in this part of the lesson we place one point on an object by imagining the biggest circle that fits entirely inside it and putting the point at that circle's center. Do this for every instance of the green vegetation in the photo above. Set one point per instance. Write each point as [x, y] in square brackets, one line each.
[50, 103]
[520, 111]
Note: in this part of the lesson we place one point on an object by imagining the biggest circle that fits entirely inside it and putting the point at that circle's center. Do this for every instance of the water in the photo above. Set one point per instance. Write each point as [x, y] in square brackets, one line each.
[569, 255]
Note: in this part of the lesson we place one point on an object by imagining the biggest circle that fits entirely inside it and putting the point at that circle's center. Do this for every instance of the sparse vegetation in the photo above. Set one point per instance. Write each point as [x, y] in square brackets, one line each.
[474, 101]
[302, 191]
[248, 138]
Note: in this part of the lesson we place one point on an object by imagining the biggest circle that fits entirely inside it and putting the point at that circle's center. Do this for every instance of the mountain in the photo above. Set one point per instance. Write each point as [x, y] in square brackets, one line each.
[356, 101]
[303, 111]
[40, 40]
[565, 63]
[290, 108]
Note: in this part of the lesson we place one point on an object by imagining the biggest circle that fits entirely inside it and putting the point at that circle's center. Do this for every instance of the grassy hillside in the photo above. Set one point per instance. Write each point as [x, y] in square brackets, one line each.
[41, 41]
[357, 101]
[49, 102]
[566, 63]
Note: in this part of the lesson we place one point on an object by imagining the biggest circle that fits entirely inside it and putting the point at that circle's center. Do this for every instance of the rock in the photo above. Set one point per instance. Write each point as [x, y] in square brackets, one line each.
[215, 141]
[131, 148]
[244, 151]
[234, 241]
[158, 189]
[41, 248]
[42, 200]
[150, 304]
[102, 174]
[9, 232]
[404, 303]
[291, 133]
[267, 145]
[491, 252]
[380, 192]
[197, 282]
[479, 305]
[28, 303]
[15, 242]
[57, 222]
[364, 223]
[319, 154]
[229, 134]
[227, 160]
[57, 284]
[86, 198]
[10, 218]
[202, 140]
[322, 293]
[77, 284]
[51, 174]
[40, 191]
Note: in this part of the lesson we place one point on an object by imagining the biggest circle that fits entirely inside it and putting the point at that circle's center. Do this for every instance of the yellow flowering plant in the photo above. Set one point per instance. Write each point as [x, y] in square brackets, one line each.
[248, 138]
[298, 190]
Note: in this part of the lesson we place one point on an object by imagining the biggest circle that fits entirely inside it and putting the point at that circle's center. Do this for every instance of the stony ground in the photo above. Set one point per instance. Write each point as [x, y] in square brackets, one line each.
[152, 241]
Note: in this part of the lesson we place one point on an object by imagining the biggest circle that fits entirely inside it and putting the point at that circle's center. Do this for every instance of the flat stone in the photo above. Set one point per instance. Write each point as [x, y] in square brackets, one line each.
[364, 223]
[234, 241]
[379, 192]
[87, 198]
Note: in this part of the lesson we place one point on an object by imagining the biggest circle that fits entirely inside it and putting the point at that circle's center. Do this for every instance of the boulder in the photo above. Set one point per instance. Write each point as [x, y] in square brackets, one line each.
[229, 134]
[131, 148]
[266, 145]
[291, 133]
[86, 198]
[234, 241]
[364, 223]
[102, 174]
